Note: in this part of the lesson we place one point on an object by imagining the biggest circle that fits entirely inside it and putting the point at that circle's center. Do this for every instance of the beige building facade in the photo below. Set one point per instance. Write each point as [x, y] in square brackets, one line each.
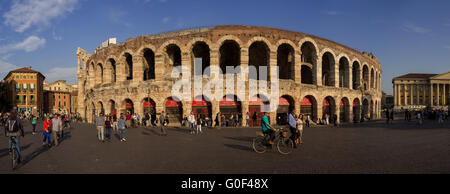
[418, 91]
[317, 76]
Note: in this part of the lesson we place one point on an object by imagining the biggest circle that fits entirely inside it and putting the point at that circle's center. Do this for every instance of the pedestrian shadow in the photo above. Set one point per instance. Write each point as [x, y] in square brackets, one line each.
[244, 139]
[239, 147]
[35, 154]
[5, 152]
[178, 129]
[150, 130]
[66, 135]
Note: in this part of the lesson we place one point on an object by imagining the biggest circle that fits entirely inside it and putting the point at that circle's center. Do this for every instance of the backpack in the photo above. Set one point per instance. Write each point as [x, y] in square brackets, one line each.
[12, 127]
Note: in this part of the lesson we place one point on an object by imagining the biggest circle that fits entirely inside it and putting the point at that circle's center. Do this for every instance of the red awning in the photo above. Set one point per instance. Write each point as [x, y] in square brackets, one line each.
[256, 101]
[228, 102]
[326, 102]
[342, 103]
[199, 102]
[151, 104]
[283, 102]
[305, 102]
[171, 103]
[355, 102]
[129, 105]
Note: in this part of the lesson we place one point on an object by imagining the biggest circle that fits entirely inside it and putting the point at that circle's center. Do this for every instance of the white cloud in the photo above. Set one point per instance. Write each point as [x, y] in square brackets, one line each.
[411, 27]
[32, 43]
[26, 13]
[62, 73]
[5, 68]
[332, 13]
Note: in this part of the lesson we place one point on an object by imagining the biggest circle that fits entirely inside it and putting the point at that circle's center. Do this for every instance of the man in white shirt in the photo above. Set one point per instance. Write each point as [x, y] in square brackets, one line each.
[191, 120]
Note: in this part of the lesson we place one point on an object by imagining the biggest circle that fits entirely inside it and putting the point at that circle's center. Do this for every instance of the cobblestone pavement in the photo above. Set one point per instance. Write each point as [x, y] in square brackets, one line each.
[371, 147]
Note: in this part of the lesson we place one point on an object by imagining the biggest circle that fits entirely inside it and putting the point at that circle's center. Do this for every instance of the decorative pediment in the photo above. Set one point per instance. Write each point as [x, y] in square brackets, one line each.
[444, 76]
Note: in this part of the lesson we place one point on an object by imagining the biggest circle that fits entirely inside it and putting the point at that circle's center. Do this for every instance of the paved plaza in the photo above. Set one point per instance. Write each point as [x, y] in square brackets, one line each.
[371, 147]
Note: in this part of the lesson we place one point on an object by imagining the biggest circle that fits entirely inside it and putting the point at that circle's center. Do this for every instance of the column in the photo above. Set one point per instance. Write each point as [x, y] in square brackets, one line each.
[431, 94]
[405, 94]
[444, 97]
[395, 95]
[411, 94]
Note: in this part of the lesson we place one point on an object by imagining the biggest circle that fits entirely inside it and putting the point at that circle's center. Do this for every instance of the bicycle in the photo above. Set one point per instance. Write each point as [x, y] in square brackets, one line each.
[283, 143]
[14, 153]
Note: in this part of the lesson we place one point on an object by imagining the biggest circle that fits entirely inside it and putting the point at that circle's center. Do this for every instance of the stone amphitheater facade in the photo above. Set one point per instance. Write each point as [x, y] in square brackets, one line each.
[316, 75]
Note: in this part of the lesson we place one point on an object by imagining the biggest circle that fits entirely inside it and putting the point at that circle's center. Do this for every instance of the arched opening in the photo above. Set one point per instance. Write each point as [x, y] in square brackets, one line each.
[201, 51]
[328, 107]
[365, 77]
[371, 109]
[129, 66]
[307, 75]
[149, 64]
[285, 105]
[365, 109]
[99, 76]
[111, 63]
[344, 73]
[286, 61]
[230, 55]
[149, 106]
[344, 110]
[112, 107]
[128, 106]
[255, 110]
[356, 110]
[174, 110]
[229, 105]
[101, 108]
[174, 54]
[328, 69]
[308, 107]
[259, 55]
[372, 79]
[201, 107]
[356, 72]
[308, 63]
[94, 112]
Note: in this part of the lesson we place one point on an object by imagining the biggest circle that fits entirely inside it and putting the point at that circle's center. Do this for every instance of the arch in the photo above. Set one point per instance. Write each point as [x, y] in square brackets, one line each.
[148, 105]
[173, 55]
[344, 74]
[128, 61]
[223, 39]
[371, 113]
[328, 69]
[259, 57]
[201, 107]
[128, 106]
[148, 57]
[200, 49]
[372, 77]
[100, 107]
[365, 109]
[286, 61]
[356, 110]
[259, 39]
[308, 59]
[344, 107]
[311, 41]
[112, 107]
[308, 107]
[229, 54]
[356, 72]
[99, 73]
[256, 107]
[328, 107]
[112, 70]
[174, 109]
[229, 105]
[365, 77]
[286, 104]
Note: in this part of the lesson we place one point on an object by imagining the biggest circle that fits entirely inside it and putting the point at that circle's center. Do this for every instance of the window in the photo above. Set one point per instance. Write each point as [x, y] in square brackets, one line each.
[64, 103]
[24, 77]
[17, 77]
[18, 99]
[17, 88]
[31, 77]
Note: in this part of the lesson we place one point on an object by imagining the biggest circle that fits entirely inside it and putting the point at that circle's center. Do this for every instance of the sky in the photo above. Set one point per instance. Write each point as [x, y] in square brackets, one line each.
[407, 36]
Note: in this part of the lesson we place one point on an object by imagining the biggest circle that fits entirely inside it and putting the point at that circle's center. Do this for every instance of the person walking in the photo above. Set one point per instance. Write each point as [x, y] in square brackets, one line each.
[419, 118]
[100, 123]
[392, 116]
[128, 120]
[46, 131]
[254, 118]
[247, 118]
[300, 129]
[199, 124]
[191, 120]
[387, 116]
[308, 119]
[56, 127]
[108, 127]
[122, 128]
[13, 128]
[335, 120]
[33, 123]
[292, 121]
[115, 124]
[162, 121]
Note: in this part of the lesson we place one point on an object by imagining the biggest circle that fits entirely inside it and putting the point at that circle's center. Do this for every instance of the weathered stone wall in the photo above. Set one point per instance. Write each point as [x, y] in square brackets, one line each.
[96, 86]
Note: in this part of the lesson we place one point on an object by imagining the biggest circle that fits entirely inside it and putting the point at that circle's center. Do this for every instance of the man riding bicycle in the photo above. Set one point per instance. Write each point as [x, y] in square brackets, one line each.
[14, 128]
[266, 128]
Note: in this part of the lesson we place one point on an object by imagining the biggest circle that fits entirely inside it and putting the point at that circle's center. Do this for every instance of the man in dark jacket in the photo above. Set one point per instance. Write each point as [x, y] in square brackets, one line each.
[14, 128]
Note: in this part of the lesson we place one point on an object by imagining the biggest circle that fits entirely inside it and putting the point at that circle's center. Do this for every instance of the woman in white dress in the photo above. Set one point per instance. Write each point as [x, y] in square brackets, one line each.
[299, 140]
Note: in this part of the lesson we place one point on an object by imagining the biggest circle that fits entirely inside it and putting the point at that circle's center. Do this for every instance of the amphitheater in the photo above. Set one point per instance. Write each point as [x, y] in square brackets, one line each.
[316, 76]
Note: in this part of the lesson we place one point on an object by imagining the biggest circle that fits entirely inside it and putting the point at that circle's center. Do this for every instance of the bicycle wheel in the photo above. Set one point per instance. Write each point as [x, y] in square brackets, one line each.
[14, 158]
[258, 145]
[285, 145]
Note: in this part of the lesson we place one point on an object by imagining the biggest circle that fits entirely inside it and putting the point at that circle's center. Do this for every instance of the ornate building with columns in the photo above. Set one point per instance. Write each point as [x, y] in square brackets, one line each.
[418, 91]
[317, 76]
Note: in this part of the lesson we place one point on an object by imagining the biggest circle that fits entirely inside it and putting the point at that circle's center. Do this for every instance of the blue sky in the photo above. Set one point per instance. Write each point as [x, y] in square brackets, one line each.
[406, 35]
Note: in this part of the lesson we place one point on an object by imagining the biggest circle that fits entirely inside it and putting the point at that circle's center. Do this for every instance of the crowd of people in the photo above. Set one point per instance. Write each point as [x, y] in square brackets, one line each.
[419, 115]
